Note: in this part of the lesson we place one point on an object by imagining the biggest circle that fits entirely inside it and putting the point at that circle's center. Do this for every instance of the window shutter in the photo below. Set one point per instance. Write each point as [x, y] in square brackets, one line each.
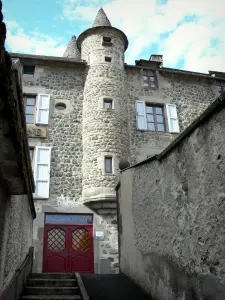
[42, 172]
[172, 118]
[43, 102]
[141, 115]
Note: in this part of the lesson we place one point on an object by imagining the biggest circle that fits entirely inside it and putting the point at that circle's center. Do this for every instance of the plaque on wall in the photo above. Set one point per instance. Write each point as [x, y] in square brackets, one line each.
[36, 131]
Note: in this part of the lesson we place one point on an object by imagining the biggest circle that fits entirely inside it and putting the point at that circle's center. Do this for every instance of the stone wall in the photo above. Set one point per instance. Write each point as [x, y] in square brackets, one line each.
[16, 235]
[104, 130]
[16, 212]
[63, 131]
[191, 94]
[172, 215]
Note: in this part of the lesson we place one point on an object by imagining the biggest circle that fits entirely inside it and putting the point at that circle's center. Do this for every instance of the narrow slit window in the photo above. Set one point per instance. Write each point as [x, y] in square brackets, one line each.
[107, 39]
[108, 165]
[108, 59]
[108, 103]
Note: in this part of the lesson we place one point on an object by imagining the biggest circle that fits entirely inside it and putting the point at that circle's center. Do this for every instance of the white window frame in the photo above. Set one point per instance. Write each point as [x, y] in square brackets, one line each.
[141, 115]
[173, 118]
[42, 109]
[35, 171]
[168, 116]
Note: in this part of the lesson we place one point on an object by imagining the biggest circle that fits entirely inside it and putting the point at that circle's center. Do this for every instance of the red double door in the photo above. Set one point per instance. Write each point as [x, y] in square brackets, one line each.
[68, 249]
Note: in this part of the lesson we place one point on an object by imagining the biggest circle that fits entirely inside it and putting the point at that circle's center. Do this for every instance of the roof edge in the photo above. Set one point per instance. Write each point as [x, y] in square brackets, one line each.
[47, 58]
[177, 71]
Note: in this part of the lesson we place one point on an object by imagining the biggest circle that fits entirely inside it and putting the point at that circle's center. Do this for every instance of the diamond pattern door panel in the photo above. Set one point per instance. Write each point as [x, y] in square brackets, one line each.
[56, 240]
[55, 258]
[80, 239]
[82, 255]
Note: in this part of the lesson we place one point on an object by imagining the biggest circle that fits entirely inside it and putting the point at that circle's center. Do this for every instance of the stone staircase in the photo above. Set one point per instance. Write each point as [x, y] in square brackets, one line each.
[52, 287]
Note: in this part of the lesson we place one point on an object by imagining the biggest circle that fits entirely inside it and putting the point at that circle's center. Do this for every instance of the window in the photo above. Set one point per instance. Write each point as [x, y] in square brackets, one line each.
[108, 59]
[31, 151]
[107, 103]
[149, 79]
[30, 106]
[155, 118]
[221, 85]
[108, 165]
[60, 106]
[152, 117]
[28, 70]
[37, 108]
[107, 41]
[42, 172]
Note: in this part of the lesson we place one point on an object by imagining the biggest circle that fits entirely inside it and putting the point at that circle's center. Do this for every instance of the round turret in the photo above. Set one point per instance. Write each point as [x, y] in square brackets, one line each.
[105, 124]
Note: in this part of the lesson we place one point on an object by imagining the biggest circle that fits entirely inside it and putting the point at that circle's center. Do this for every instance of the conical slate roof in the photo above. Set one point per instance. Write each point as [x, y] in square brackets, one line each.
[72, 50]
[101, 19]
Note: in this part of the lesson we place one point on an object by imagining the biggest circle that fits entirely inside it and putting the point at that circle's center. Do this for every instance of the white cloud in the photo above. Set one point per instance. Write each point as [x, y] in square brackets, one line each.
[34, 43]
[145, 22]
[181, 29]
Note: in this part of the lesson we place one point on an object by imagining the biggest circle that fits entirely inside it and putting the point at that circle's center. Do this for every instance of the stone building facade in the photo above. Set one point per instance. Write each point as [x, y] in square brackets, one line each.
[97, 111]
[17, 209]
[171, 214]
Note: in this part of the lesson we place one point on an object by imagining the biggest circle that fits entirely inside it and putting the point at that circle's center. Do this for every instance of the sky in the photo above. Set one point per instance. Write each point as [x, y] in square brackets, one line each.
[190, 34]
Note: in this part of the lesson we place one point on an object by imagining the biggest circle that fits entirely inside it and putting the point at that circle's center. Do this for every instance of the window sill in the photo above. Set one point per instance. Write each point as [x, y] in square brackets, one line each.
[158, 133]
[108, 44]
[108, 109]
[150, 88]
[109, 174]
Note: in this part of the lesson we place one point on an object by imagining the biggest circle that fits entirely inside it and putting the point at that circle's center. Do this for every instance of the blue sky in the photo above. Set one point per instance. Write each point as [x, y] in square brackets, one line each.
[188, 34]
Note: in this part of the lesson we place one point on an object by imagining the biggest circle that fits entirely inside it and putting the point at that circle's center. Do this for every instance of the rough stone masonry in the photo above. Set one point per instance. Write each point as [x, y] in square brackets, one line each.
[85, 132]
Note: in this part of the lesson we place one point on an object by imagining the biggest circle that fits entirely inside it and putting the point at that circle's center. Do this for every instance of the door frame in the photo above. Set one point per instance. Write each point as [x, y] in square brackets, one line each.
[45, 236]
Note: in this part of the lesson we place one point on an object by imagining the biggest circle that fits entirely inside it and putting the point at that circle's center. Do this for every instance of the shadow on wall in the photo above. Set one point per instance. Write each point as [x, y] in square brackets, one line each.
[163, 272]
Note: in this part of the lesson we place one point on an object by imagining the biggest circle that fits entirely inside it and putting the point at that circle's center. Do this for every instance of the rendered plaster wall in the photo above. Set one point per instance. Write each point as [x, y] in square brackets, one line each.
[191, 95]
[172, 233]
[16, 235]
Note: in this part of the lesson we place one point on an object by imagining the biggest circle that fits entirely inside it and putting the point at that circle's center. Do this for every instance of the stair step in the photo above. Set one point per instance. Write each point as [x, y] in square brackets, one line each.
[45, 282]
[51, 290]
[52, 276]
[51, 297]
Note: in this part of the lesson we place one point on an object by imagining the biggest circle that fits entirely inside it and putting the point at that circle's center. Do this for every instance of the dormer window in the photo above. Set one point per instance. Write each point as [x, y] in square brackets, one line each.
[106, 41]
[28, 70]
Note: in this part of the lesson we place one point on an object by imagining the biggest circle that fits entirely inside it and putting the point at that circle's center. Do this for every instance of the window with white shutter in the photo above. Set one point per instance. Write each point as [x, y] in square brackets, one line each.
[43, 103]
[173, 122]
[42, 172]
[141, 115]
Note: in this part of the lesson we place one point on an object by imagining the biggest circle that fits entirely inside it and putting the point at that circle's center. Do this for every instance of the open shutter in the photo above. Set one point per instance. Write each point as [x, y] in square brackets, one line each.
[42, 109]
[42, 172]
[172, 118]
[141, 115]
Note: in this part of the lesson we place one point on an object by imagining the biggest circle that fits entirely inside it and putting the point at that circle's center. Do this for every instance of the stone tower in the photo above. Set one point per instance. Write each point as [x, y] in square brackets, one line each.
[105, 127]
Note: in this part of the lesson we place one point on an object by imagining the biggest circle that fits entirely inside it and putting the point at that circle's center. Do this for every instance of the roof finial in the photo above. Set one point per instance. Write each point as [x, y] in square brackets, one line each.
[101, 19]
[72, 50]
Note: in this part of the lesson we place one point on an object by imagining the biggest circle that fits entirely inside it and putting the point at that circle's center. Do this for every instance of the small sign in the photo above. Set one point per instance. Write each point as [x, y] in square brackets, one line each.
[99, 233]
